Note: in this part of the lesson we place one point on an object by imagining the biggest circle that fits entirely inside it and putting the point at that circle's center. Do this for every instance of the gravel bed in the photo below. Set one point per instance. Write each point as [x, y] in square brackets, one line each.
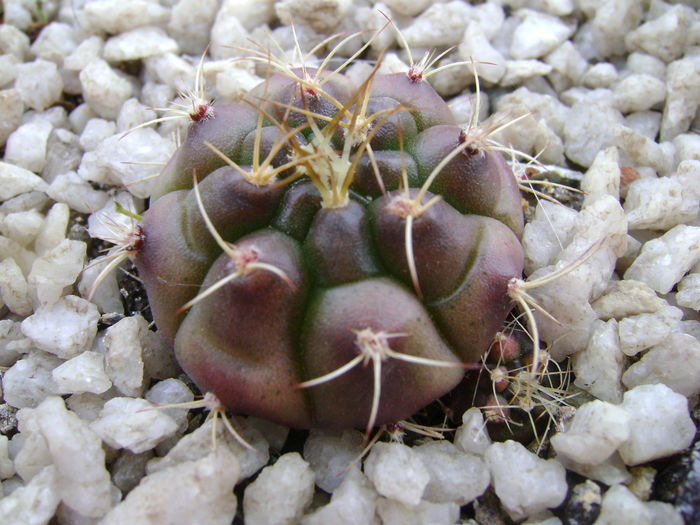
[605, 93]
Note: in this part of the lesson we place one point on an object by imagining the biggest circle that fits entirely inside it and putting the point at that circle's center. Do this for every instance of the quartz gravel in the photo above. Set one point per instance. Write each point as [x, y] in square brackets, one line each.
[609, 91]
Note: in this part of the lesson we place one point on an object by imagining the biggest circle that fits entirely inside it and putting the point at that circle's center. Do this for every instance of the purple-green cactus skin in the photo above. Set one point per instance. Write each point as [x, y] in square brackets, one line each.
[372, 248]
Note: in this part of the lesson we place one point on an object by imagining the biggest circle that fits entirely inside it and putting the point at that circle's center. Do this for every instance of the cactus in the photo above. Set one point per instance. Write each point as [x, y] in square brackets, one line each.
[328, 255]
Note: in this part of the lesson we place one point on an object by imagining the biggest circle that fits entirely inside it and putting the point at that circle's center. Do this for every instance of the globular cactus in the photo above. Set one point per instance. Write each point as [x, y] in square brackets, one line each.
[329, 255]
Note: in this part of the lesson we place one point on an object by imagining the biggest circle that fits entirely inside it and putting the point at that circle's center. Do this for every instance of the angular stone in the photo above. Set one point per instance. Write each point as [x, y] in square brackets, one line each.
[56, 269]
[594, 434]
[627, 298]
[76, 451]
[124, 355]
[329, 454]
[202, 441]
[66, 328]
[33, 504]
[525, 484]
[281, 492]
[660, 424]
[133, 424]
[599, 367]
[663, 261]
[643, 331]
[192, 492]
[472, 436]
[82, 373]
[397, 472]
[354, 501]
[455, 476]
[674, 362]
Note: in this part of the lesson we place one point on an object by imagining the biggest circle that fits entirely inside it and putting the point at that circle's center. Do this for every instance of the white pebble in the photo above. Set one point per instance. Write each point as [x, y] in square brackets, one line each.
[329, 454]
[55, 270]
[55, 41]
[644, 151]
[33, 504]
[476, 45]
[664, 261]
[603, 177]
[320, 15]
[22, 226]
[138, 44]
[645, 123]
[590, 128]
[7, 469]
[83, 373]
[201, 442]
[124, 355]
[538, 34]
[117, 16]
[660, 424]
[682, 97]
[568, 61]
[88, 50]
[65, 328]
[393, 512]
[596, 431]
[627, 298]
[71, 189]
[544, 237]
[281, 492]
[54, 230]
[26, 146]
[63, 154]
[29, 380]
[12, 343]
[525, 484]
[95, 131]
[663, 37]
[612, 20]
[12, 40]
[76, 451]
[354, 501]
[455, 476]
[227, 32]
[87, 406]
[688, 294]
[599, 367]
[39, 84]
[13, 288]
[674, 362]
[472, 436]
[104, 89]
[397, 472]
[133, 424]
[518, 71]
[11, 111]
[638, 92]
[107, 162]
[646, 64]
[171, 392]
[664, 513]
[642, 331]
[621, 507]
[442, 24]
[193, 492]
[600, 75]
[190, 23]
[408, 7]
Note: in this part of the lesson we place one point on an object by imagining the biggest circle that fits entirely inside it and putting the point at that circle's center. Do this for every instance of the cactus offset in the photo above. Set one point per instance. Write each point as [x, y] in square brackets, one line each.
[325, 255]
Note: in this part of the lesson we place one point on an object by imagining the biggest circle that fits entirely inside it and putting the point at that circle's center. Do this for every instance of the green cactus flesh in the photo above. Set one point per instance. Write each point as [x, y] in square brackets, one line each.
[368, 257]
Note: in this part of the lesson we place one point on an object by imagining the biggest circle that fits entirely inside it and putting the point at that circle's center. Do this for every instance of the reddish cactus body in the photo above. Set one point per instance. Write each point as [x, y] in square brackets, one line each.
[337, 270]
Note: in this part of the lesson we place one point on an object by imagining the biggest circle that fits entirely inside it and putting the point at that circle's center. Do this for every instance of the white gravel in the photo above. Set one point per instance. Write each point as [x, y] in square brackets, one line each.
[612, 91]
